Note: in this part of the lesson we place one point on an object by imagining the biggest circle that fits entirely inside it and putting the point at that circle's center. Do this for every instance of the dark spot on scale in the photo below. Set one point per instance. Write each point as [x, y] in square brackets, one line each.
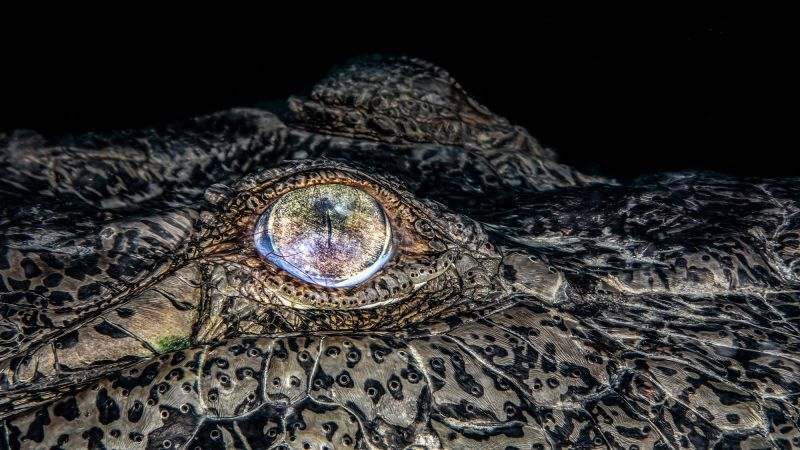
[632, 432]
[110, 330]
[80, 268]
[732, 418]
[548, 364]
[7, 335]
[395, 387]
[374, 390]
[509, 272]
[89, 290]
[125, 313]
[107, 408]
[116, 271]
[437, 365]
[51, 260]
[353, 357]
[135, 411]
[59, 297]
[667, 370]
[36, 428]
[68, 340]
[52, 280]
[19, 285]
[330, 429]
[345, 380]
[68, 409]
[95, 437]
[30, 268]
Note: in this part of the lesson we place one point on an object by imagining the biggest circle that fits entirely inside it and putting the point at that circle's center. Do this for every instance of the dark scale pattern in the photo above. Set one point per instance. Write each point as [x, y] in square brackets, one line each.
[525, 306]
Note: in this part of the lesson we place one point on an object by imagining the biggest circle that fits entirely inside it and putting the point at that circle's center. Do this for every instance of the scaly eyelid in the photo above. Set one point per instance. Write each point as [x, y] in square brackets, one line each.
[415, 258]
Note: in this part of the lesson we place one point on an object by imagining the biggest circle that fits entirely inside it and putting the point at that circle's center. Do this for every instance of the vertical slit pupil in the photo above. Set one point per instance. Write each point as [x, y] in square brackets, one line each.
[332, 235]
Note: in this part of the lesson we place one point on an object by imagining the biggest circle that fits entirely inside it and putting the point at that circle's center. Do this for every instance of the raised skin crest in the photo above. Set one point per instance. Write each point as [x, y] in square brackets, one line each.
[527, 305]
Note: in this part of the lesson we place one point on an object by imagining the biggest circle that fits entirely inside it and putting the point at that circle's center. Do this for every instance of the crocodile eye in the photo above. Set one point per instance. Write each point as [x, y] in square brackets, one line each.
[332, 235]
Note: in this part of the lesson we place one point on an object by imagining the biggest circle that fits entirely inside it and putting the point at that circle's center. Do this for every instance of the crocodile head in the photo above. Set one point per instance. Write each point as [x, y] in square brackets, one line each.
[387, 264]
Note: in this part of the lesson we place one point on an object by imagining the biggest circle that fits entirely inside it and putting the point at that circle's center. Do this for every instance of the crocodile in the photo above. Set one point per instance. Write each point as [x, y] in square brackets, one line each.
[383, 262]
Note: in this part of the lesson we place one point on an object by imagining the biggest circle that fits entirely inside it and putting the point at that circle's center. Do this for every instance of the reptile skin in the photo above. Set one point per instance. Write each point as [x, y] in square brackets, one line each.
[525, 305]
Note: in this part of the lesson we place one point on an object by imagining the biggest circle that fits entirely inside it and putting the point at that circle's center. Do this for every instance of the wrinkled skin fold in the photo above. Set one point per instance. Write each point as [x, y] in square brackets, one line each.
[525, 305]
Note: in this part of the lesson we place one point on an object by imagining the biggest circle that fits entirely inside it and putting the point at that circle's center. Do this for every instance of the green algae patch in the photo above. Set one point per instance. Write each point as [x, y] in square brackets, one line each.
[173, 344]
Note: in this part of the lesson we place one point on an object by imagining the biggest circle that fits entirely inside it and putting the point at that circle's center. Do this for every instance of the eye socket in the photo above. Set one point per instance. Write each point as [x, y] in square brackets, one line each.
[403, 244]
[333, 235]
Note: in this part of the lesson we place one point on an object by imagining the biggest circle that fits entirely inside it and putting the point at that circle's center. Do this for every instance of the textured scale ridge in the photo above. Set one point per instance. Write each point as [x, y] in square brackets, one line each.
[524, 305]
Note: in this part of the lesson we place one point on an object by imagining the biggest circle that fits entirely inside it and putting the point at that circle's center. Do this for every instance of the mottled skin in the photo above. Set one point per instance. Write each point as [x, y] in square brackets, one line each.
[526, 306]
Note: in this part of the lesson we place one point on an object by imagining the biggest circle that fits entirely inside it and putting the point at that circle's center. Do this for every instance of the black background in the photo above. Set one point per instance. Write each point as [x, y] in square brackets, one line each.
[619, 92]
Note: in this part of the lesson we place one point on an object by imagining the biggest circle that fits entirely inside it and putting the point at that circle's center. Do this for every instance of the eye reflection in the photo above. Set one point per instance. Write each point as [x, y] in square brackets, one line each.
[331, 234]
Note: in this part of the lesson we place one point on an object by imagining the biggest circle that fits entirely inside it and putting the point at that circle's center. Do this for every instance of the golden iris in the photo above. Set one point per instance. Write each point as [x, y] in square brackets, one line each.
[333, 235]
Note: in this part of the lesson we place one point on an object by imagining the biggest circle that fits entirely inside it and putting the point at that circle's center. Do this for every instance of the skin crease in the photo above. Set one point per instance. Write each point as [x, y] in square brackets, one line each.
[523, 304]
